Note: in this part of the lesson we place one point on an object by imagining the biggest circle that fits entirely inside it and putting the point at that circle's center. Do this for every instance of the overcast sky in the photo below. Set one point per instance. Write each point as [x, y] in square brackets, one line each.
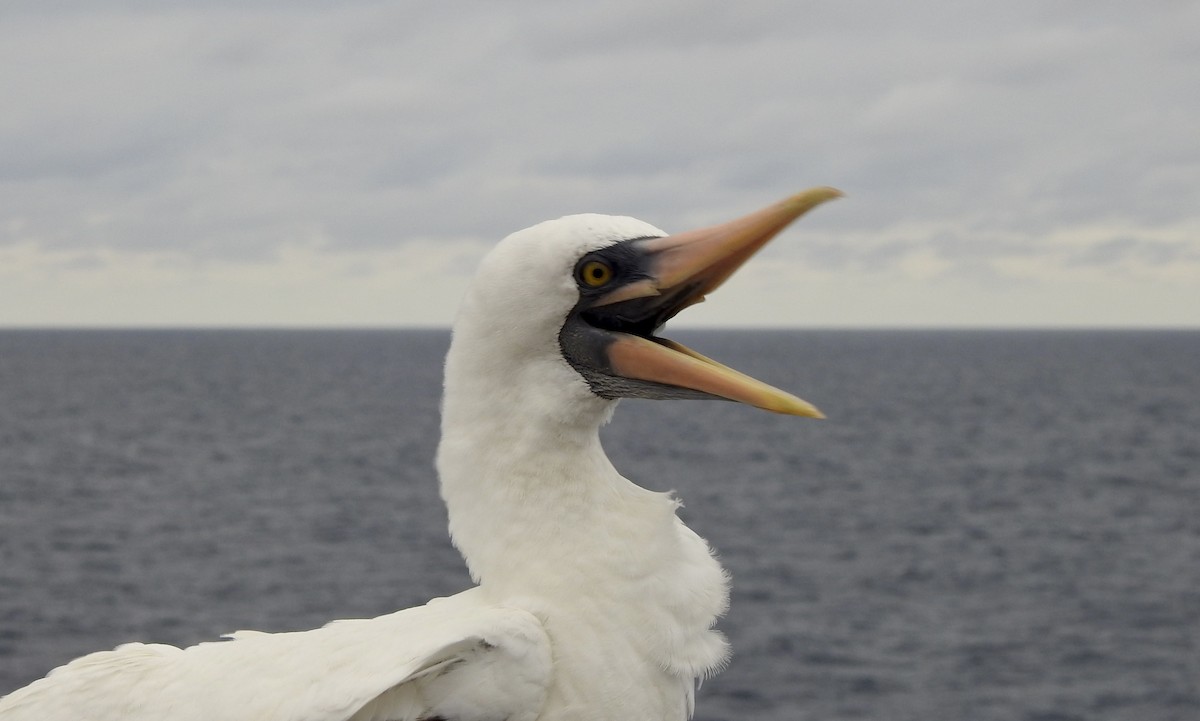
[209, 162]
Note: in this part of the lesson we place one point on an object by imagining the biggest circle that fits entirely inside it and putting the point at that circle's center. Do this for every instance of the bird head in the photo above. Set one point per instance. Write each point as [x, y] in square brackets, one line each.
[573, 307]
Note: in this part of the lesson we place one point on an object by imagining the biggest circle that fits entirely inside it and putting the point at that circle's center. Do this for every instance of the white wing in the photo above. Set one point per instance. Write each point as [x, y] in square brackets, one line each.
[455, 658]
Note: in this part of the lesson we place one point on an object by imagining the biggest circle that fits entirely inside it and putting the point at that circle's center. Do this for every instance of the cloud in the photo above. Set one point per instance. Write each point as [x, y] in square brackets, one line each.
[1124, 251]
[972, 138]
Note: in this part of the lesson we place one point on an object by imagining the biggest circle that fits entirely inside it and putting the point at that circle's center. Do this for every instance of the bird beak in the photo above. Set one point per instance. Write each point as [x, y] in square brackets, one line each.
[682, 269]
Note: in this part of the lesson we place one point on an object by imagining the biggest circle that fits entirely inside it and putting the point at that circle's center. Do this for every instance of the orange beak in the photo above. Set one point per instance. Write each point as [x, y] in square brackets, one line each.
[681, 270]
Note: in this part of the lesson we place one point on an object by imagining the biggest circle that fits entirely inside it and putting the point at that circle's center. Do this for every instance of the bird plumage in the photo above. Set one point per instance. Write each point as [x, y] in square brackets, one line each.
[388, 668]
[626, 591]
[593, 600]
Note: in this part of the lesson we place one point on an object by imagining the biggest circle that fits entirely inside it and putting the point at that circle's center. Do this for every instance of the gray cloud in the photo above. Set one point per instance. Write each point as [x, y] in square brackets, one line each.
[219, 130]
[1125, 249]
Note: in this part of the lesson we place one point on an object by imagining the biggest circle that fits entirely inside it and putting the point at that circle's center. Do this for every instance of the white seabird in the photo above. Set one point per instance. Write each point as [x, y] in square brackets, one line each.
[593, 601]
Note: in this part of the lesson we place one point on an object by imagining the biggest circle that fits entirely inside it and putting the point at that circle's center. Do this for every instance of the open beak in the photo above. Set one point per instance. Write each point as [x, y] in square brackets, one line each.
[679, 270]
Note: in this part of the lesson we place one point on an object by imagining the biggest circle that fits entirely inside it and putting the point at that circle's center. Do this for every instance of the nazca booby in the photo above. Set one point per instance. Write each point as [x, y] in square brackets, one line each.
[593, 601]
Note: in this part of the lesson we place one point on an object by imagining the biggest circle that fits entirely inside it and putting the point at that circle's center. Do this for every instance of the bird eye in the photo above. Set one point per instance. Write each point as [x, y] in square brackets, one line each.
[595, 273]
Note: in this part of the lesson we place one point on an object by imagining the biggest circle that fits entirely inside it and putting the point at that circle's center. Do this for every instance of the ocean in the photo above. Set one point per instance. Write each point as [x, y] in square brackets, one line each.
[989, 524]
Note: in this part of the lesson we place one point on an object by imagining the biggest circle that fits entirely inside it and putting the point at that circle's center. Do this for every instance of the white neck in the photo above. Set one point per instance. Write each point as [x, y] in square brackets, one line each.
[542, 517]
[525, 480]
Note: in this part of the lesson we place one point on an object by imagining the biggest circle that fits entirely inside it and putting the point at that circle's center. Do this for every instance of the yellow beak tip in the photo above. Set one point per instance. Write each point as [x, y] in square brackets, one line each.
[814, 414]
[794, 406]
[806, 200]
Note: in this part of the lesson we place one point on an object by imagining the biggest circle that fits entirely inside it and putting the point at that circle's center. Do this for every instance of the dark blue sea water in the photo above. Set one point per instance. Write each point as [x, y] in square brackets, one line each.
[990, 525]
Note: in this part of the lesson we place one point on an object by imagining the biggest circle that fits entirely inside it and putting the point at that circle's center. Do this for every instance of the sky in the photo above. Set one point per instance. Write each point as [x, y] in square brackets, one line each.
[304, 163]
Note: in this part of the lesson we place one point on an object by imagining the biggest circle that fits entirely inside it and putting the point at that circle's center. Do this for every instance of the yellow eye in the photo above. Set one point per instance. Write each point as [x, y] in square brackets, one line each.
[595, 273]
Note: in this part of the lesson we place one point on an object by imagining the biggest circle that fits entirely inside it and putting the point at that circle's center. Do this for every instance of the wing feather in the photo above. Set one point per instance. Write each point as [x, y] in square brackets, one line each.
[456, 657]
